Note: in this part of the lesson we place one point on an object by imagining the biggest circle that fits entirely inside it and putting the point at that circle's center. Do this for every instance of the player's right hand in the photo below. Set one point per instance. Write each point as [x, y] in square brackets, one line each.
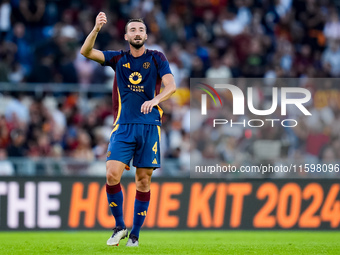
[100, 21]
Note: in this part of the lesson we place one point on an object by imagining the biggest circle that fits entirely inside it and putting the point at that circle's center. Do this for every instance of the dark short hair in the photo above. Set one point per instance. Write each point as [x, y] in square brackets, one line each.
[134, 20]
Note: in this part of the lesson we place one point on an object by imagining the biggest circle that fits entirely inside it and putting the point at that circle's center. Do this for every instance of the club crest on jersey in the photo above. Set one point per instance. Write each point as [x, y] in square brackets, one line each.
[146, 65]
[135, 78]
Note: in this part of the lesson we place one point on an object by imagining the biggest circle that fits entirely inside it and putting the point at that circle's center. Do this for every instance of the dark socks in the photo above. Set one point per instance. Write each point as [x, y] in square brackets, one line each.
[141, 207]
[115, 199]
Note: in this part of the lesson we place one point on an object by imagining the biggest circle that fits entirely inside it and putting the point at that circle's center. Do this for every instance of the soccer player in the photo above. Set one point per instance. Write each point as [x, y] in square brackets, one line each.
[136, 129]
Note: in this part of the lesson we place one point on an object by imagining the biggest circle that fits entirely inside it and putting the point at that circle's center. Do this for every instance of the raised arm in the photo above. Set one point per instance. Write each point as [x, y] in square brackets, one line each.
[87, 48]
[169, 88]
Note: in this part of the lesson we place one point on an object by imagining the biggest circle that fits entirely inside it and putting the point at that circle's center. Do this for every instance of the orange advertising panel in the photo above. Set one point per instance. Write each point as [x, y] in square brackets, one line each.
[81, 203]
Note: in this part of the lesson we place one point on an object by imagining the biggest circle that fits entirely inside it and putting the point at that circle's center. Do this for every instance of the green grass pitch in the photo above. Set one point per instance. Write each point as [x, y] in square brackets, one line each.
[174, 242]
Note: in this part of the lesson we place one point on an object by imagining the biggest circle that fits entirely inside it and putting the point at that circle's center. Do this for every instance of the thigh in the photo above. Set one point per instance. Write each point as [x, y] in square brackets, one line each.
[122, 145]
[114, 167]
[147, 153]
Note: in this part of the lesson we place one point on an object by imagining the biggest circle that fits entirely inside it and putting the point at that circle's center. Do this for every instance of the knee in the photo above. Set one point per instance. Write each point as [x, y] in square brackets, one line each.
[143, 183]
[112, 177]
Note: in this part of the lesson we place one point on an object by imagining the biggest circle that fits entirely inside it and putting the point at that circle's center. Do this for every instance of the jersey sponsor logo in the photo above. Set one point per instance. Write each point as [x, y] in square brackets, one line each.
[108, 154]
[136, 88]
[135, 78]
[154, 161]
[146, 65]
[113, 204]
[142, 213]
[127, 65]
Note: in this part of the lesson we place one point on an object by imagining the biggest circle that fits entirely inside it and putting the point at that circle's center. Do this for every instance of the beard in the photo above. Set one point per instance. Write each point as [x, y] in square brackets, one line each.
[137, 45]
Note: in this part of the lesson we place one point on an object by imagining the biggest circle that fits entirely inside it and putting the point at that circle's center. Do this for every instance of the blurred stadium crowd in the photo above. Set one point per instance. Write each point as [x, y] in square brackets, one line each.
[40, 42]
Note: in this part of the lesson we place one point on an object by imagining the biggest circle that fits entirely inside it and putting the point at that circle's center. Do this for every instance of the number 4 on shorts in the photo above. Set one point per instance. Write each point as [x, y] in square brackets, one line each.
[154, 148]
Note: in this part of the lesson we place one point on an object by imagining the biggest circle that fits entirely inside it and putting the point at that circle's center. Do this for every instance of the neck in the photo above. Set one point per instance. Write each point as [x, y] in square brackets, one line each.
[137, 52]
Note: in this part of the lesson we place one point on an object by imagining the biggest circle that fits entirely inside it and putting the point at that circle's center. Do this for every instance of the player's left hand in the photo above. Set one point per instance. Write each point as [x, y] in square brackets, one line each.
[148, 105]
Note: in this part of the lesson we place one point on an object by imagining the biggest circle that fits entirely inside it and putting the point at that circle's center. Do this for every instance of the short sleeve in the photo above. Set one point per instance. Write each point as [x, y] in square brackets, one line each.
[163, 64]
[111, 57]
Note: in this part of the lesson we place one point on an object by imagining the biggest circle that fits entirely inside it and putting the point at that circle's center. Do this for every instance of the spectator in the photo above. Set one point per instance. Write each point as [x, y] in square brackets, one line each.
[23, 53]
[31, 13]
[331, 59]
[16, 111]
[85, 69]
[255, 62]
[59, 118]
[4, 132]
[5, 18]
[218, 70]
[83, 150]
[332, 27]
[6, 167]
[17, 147]
[232, 25]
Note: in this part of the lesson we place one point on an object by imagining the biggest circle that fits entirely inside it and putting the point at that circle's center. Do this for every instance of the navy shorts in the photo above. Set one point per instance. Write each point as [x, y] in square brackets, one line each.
[137, 141]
